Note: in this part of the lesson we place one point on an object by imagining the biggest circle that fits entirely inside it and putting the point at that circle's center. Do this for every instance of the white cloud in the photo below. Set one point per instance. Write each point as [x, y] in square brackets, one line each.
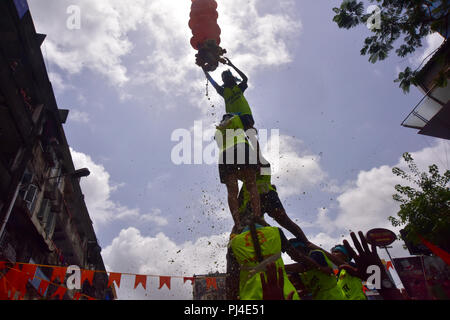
[99, 43]
[165, 58]
[58, 82]
[132, 252]
[369, 203]
[433, 42]
[98, 189]
[79, 116]
[298, 169]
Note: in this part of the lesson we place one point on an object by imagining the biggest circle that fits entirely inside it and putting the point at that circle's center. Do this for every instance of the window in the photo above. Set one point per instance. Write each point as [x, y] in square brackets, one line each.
[44, 210]
[29, 195]
[50, 225]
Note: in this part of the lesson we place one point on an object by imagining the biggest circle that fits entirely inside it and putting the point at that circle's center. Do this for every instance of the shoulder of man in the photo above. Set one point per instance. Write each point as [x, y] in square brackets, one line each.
[243, 86]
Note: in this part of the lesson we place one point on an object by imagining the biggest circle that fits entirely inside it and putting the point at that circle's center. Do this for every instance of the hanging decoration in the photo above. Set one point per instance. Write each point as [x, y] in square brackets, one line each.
[206, 34]
[14, 278]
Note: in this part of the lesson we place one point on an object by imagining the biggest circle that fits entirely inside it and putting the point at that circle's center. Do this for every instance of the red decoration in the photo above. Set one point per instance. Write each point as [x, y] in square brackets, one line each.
[164, 281]
[29, 270]
[87, 275]
[444, 255]
[59, 273]
[389, 265]
[17, 279]
[203, 22]
[43, 286]
[140, 279]
[61, 291]
[188, 279]
[76, 296]
[211, 282]
[114, 277]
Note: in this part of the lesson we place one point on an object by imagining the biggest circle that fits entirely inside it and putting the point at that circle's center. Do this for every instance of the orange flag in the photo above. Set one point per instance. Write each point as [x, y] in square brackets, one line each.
[140, 279]
[76, 296]
[29, 270]
[17, 279]
[164, 281]
[389, 265]
[211, 282]
[188, 279]
[59, 273]
[444, 255]
[113, 276]
[43, 286]
[87, 275]
[61, 291]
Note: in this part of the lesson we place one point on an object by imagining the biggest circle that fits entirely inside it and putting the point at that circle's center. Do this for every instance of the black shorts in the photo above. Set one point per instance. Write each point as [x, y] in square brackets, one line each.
[241, 156]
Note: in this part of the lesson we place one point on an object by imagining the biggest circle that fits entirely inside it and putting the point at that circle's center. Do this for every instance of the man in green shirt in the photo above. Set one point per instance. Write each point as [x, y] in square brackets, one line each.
[237, 161]
[233, 94]
[350, 285]
[270, 203]
[321, 283]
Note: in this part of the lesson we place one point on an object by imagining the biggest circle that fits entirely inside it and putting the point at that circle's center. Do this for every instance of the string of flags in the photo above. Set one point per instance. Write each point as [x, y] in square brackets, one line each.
[13, 282]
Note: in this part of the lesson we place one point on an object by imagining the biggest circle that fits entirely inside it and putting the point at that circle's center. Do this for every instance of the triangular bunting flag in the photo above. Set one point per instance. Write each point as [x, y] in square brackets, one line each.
[211, 282]
[29, 270]
[5, 289]
[87, 275]
[43, 286]
[164, 281]
[59, 273]
[389, 265]
[114, 277]
[188, 279]
[61, 291]
[17, 279]
[76, 296]
[140, 279]
[444, 255]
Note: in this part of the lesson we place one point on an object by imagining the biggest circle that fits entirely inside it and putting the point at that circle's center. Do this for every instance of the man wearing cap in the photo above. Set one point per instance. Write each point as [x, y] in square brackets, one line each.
[351, 286]
[244, 269]
[321, 283]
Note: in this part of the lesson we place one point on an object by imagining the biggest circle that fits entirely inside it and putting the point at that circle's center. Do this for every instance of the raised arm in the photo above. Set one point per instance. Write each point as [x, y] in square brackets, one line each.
[218, 88]
[241, 74]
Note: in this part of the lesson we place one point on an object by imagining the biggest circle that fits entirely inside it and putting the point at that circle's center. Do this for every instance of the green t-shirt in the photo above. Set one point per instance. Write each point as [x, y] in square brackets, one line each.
[235, 101]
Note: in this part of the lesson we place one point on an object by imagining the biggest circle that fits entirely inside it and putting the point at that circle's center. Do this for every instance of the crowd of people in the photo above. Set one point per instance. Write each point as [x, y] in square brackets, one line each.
[255, 268]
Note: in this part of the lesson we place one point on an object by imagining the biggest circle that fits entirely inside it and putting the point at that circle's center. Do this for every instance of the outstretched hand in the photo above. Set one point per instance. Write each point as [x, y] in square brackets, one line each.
[366, 258]
[273, 287]
[363, 259]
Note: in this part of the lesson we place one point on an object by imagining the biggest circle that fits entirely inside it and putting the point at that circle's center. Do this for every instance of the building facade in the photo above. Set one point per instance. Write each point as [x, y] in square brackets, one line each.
[43, 216]
[431, 115]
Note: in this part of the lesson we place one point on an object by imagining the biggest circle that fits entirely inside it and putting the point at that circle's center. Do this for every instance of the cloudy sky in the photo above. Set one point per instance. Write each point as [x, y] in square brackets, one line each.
[126, 71]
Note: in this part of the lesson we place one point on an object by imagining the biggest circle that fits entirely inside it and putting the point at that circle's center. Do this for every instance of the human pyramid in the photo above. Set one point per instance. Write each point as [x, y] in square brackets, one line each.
[255, 268]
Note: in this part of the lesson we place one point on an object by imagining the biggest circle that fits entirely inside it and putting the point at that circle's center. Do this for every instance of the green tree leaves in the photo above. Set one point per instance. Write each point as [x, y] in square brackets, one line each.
[413, 20]
[426, 210]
